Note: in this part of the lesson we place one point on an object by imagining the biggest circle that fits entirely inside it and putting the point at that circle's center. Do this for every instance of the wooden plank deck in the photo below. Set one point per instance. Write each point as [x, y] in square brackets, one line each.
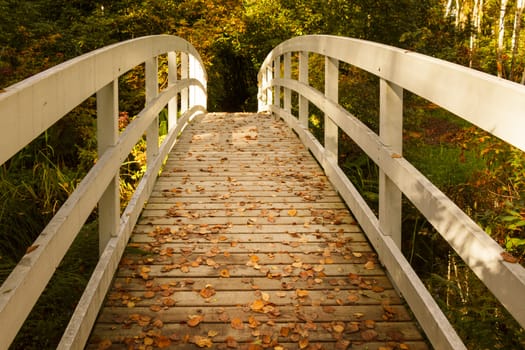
[244, 244]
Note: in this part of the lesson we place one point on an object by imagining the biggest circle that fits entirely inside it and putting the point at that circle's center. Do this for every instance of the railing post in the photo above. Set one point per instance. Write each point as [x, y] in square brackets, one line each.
[197, 96]
[152, 90]
[172, 80]
[391, 134]
[287, 75]
[331, 91]
[184, 74]
[107, 136]
[269, 77]
[303, 78]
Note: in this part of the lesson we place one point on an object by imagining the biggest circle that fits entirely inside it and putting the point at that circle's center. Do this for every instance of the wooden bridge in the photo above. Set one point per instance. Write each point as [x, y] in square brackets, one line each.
[246, 240]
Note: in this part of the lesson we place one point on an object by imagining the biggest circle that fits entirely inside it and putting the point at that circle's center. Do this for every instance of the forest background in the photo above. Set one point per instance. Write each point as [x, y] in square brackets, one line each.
[483, 175]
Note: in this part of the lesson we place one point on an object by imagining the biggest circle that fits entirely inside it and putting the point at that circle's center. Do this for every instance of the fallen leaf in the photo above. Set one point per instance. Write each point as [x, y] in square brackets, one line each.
[225, 273]
[237, 323]
[370, 324]
[257, 305]
[212, 333]
[342, 344]
[201, 342]
[396, 155]
[301, 293]
[194, 320]
[339, 327]
[32, 248]
[148, 341]
[292, 212]
[369, 335]
[163, 342]
[231, 342]
[509, 258]
[370, 265]
[168, 301]
[207, 291]
[149, 294]
[104, 344]
[303, 343]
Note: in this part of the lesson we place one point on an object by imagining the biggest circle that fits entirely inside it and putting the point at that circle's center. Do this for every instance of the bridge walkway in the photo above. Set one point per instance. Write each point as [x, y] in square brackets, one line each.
[244, 244]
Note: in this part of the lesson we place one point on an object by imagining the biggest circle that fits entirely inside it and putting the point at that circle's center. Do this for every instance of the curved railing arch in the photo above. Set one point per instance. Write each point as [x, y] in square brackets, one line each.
[493, 104]
[30, 107]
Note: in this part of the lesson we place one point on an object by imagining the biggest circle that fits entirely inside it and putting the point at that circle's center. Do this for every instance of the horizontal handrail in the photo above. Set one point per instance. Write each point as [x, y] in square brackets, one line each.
[33, 105]
[472, 95]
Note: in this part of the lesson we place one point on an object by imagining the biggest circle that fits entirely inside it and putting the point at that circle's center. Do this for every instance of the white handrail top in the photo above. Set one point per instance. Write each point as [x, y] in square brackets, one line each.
[491, 103]
[31, 106]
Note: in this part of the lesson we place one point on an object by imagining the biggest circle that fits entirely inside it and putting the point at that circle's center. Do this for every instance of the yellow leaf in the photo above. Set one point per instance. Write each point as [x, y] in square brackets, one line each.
[225, 273]
[301, 293]
[237, 323]
[292, 212]
[202, 342]
[257, 305]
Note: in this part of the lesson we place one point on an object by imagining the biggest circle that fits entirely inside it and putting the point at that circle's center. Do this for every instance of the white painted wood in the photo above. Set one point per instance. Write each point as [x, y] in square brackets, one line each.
[479, 251]
[435, 324]
[475, 96]
[331, 91]
[398, 70]
[44, 98]
[107, 136]
[172, 79]
[303, 78]
[86, 312]
[184, 74]
[152, 91]
[391, 134]
[287, 75]
[55, 97]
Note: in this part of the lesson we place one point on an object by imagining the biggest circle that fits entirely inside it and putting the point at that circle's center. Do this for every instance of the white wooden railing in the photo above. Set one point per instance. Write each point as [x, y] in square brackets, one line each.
[30, 107]
[493, 104]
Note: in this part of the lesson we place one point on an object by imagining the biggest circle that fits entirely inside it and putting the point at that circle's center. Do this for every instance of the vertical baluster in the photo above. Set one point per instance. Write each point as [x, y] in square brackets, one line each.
[287, 75]
[184, 74]
[152, 90]
[107, 136]
[331, 90]
[303, 78]
[391, 134]
[269, 78]
[172, 80]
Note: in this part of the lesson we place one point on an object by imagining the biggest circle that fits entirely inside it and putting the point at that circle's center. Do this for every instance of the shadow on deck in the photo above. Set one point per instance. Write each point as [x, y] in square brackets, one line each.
[245, 244]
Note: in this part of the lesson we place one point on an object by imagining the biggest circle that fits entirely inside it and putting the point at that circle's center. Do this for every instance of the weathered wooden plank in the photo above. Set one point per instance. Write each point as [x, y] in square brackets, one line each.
[257, 228]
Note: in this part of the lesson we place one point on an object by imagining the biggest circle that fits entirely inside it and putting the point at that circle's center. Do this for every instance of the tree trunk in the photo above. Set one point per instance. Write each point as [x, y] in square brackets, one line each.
[520, 4]
[474, 32]
[501, 39]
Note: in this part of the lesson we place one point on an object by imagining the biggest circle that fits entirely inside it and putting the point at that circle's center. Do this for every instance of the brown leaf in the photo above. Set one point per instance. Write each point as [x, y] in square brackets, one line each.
[370, 324]
[149, 294]
[225, 273]
[163, 342]
[237, 323]
[353, 298]
[207, 291]
[342, 344]
[168, 301]
[369, 335]
[509, 258]
[32, 248]
[104, 344]
[155, 308]
[231, 342]
[369, 265]
[303, 343]
[194, 320]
